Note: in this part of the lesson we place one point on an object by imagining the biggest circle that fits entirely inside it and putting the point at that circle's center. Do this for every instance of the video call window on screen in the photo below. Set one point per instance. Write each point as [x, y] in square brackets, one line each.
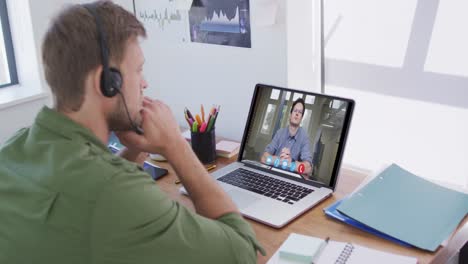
[300, 140]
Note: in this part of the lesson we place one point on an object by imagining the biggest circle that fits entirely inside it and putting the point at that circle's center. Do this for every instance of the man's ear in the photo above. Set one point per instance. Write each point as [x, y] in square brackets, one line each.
[95, 80]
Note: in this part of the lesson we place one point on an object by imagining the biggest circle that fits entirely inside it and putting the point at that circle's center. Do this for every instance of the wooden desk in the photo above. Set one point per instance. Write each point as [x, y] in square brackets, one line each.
[314, 222]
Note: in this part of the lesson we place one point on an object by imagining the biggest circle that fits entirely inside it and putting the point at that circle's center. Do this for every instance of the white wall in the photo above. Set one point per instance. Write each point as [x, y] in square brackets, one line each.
[189, 74]
[405, 64]
[303, 44]
[283, 54]
[19, 116]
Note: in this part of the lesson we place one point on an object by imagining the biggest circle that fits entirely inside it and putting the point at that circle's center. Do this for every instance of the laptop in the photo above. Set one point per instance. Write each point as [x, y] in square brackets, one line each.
[289, 159]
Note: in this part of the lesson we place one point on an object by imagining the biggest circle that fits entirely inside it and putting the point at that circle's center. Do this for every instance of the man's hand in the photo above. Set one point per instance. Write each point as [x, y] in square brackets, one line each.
[130, 153]
[160, 126]
[286, 155]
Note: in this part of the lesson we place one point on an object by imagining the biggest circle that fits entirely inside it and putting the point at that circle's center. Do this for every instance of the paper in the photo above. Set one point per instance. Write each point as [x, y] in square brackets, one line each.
[266, 12]
[407, 207]
[184, 4]
[225, 146]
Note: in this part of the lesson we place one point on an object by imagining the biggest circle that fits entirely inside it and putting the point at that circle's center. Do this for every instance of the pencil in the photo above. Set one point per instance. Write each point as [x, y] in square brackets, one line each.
[202, 113]
[211, 167]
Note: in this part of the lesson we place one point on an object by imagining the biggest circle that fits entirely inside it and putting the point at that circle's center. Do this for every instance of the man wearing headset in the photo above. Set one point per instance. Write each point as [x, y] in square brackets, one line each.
[64, 198]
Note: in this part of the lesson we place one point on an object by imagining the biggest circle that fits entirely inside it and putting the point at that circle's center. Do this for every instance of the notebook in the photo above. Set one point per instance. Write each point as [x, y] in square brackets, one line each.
[277, 178]
[333, 252]
[347, 253]
[407, 207]
[227, 149]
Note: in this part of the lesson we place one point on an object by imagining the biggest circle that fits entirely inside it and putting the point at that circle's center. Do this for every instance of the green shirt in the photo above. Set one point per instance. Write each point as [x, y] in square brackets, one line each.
[65, 198]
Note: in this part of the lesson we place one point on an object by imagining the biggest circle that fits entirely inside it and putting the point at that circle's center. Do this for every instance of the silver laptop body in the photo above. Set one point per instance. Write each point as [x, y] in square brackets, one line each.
[272, 194]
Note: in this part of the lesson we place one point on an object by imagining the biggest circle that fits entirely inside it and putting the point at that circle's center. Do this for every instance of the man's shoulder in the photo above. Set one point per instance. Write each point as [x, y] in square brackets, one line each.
[282, 131]
[303, 133]
[96, 167]
[65, 165]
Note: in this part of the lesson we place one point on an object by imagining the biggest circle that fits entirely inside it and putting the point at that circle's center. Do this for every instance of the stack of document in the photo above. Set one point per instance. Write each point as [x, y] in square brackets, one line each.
[405, 208]
[227, 148]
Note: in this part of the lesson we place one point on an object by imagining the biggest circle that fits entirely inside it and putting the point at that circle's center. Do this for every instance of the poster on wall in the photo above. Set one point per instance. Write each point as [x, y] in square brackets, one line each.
[221, 22]
[166, 20]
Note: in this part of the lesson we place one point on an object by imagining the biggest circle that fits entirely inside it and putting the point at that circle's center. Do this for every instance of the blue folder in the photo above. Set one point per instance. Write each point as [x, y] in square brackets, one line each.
[407, 207]
[335, 214]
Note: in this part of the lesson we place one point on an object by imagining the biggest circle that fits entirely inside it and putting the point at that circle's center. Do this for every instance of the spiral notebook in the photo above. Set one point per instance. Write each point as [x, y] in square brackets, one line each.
[334, 253]
[347, 253]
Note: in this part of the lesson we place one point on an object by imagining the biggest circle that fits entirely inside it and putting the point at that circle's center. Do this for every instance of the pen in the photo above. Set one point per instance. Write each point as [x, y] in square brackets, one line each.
[197, 117]
[320, 250]
[208, 120]
[215, 117]
[188, 113]
[202, 113]
[210, 123]
[213, 166]
[187, 119]
[203, 127]
[195, 127]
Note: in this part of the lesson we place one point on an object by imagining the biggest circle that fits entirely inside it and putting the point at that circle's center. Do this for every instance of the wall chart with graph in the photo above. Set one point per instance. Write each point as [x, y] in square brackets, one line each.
[166, 20]
[221, 22]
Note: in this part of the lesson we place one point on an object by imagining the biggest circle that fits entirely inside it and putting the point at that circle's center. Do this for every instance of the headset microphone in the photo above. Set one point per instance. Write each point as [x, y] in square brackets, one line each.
[111, 79]
[136, 128]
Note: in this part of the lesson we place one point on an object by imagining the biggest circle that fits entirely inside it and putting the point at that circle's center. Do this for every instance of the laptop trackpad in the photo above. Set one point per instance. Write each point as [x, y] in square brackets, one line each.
[242, 199]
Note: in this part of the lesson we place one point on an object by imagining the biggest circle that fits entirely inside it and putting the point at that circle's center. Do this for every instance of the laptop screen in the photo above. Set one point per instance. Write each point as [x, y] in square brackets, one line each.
[295, 134]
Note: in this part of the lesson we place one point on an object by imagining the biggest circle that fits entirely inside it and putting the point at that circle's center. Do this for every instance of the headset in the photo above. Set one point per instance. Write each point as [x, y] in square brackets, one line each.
[111, 78]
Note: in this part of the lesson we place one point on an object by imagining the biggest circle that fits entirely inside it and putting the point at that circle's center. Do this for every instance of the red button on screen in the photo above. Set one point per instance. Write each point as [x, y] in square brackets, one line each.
[301, 168]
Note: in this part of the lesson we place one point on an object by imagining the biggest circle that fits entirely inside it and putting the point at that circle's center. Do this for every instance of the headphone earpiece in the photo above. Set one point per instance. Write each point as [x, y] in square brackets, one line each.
[114, 82]
[111, 78]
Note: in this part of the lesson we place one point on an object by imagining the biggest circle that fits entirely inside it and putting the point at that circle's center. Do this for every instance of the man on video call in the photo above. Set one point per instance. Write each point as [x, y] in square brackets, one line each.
[291, 144]
[65, 198]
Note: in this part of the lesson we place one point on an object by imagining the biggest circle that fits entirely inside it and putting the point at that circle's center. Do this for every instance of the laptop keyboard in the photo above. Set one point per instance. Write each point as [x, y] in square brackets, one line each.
[267, 186]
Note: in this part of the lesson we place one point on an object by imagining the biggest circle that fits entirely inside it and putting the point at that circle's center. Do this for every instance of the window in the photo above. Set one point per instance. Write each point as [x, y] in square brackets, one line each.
[275, 94]
[268, 120]
[305, 123]
[297, 96]
[8, 75]
[310, 99]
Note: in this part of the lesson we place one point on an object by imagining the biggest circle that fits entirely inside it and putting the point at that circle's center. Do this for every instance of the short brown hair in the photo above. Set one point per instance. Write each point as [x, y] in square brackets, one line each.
[301, 101]
[71, 48]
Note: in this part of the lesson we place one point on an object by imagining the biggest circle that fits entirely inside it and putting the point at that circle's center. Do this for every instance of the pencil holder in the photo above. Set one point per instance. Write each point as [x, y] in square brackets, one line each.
[204, 146]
